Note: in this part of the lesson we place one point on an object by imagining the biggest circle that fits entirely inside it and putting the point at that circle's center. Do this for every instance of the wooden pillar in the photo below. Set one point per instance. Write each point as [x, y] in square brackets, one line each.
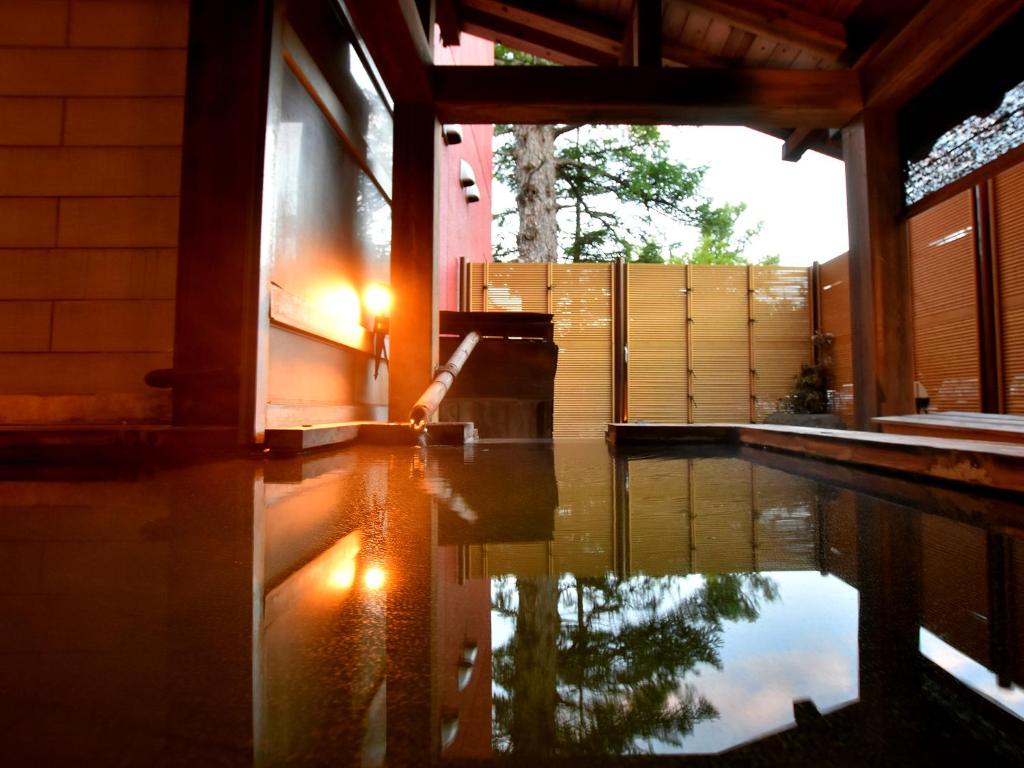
[889, 620]
[414, 252]
[883, 375]
[620, 340]
[987, 302]
[219, 274]
[410, 556]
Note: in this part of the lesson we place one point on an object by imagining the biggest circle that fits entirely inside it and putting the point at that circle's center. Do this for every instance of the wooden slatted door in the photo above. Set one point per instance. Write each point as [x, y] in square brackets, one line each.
[720, 344]
[657, 341]
[780, 333]
[945, 305]
[1008, 203]
[581, 297]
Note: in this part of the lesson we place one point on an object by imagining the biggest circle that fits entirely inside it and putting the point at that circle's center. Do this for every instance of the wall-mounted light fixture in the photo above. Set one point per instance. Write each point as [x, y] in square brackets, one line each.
[467, 176]
[378, 299]
[452, 133]
[472, 193]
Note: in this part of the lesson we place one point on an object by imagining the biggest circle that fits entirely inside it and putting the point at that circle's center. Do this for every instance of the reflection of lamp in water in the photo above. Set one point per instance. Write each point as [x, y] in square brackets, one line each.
[374, 577]
[377, 299]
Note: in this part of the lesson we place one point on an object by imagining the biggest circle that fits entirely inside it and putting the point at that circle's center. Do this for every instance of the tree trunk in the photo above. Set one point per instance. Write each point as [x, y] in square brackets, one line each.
[534, 155]
[535, 681]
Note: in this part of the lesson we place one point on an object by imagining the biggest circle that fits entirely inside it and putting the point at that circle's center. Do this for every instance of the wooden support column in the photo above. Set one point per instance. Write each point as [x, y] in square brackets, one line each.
[883, 377]
[987, 293]
[620, 340]
[219, 274]
[889, 620]
[414, 249]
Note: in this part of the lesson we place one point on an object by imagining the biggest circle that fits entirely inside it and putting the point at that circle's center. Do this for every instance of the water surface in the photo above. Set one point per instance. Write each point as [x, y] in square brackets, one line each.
[506, 602]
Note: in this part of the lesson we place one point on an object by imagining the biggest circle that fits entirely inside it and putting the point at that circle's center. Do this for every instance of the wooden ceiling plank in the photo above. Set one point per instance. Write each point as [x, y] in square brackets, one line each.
[760, 98]
[929, 44]
[394, 36]
[781, 22]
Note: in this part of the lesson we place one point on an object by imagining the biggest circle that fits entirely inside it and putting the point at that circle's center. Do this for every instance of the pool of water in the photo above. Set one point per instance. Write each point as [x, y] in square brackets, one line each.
[506, 602]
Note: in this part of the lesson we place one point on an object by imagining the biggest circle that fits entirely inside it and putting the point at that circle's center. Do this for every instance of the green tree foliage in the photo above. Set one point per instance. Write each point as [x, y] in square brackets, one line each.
[616, 189]
[598, 665]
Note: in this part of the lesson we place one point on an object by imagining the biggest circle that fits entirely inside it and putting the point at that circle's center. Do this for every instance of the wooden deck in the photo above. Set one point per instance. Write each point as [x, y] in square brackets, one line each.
[974, 463]
[994, 427]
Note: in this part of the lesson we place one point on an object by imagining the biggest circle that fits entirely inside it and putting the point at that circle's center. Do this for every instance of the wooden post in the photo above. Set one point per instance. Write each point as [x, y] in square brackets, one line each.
[620, 358]
[220, 277]
[988, 319]
[883, 378]
[414, 249]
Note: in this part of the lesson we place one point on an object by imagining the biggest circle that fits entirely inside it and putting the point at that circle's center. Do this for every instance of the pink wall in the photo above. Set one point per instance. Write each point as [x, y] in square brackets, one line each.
[465, 227]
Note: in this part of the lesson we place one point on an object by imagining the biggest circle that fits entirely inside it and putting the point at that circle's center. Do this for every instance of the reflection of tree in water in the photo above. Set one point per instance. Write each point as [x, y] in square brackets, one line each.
[595, 665]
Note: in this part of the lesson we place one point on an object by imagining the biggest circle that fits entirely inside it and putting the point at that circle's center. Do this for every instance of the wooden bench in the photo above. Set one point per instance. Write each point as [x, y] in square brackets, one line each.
[992, 427]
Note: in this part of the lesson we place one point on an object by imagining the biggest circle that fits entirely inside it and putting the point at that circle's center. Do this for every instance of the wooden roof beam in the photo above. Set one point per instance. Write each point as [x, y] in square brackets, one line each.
[581, 29]
[799, 141]
[643, 36]
[533, 40]
[681, 96]
[929, 44]
[808, 31]
[394, 34]
[448, 22]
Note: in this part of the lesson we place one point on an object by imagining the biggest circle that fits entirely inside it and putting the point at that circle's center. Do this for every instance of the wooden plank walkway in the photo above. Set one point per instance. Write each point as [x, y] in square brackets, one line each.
[974, 463]
[994, 427]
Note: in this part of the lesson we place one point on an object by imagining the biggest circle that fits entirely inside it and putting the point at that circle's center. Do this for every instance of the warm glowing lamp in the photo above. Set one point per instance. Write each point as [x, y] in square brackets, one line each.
[344, 575]
[374, 577]
[377, 299]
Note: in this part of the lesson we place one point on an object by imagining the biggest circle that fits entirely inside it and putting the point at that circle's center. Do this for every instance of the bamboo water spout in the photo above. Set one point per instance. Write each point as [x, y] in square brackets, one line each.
[434, 394]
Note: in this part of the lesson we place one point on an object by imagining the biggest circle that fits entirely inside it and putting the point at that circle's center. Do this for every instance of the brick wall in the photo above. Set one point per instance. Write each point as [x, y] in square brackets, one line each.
[91, 101]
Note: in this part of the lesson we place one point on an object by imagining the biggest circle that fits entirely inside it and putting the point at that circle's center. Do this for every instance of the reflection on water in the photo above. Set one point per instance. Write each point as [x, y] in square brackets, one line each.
[407, 606]
[599, 665]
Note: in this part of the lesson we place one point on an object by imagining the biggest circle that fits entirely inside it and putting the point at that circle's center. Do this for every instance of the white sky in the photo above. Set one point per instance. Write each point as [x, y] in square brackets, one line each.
[802, 205]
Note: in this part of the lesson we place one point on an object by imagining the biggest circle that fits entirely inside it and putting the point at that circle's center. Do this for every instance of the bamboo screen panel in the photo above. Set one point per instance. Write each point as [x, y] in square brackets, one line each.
[1008, 203]
[944, 298]
[786, 525]
[657, 343]
[781, 333]
[524, 560]
[659, 516]
[722, 511]
[720, 344]
[508, 287]
[581, 299]
[835, 319]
